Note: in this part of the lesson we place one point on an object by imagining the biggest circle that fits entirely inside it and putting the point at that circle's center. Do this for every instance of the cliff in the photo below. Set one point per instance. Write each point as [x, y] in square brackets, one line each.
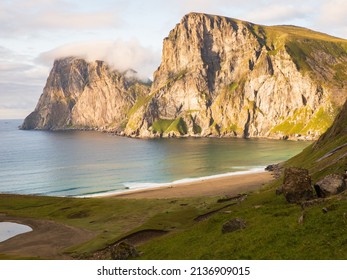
[221, 77]
[85, 95]
[218, 77]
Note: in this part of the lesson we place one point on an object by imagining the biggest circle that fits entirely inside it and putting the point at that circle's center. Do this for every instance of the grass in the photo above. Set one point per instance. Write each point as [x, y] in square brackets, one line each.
[110, 218]
[304, 120]
[161, 125]
[312, 158]
[272, 232]
[178, 125]
[166, 126]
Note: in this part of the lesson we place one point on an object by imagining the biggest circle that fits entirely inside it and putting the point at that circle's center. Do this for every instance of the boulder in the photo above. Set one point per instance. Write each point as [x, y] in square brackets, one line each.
[233, 225]
[297, 185]
[330, 185]
[275, 169]
[123, 251]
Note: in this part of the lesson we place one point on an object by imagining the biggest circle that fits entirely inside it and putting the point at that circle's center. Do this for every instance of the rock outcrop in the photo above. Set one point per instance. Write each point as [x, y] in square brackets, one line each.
[218, 77]
[85, 95]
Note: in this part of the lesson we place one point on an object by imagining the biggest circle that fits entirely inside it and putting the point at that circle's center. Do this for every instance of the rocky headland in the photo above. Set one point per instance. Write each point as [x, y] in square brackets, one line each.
[218, 77]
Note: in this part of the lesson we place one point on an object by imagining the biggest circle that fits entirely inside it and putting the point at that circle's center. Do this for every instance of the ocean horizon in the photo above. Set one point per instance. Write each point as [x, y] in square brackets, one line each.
[89, 163]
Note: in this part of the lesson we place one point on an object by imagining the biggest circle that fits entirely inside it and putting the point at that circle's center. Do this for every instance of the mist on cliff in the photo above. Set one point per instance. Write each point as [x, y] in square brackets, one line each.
[119, 54]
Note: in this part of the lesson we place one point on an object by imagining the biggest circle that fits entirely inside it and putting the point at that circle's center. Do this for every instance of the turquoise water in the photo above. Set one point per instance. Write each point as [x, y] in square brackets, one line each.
[81, 163]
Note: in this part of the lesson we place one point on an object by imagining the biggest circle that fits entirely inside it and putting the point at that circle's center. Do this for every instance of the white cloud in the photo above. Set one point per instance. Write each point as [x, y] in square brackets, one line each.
[21, 83]
[17, 100]
[29, 17]
[64, 20]
[278, 14]
[333, 18]
[119, 54]
[334, 12]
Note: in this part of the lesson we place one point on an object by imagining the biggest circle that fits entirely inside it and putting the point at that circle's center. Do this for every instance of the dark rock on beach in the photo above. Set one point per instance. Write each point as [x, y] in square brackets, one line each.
[275, 169]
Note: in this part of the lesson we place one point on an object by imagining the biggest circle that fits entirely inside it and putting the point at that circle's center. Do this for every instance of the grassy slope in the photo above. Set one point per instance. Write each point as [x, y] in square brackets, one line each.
[313, 157]
[110, 218]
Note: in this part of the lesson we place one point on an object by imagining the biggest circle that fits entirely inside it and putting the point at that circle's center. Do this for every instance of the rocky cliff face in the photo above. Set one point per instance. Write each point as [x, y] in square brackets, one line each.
[218, 77]
[85, 95]
[224, 77]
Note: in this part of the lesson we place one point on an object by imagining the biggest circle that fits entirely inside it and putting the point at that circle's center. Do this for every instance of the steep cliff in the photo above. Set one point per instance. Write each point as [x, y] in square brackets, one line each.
[80, 95]
[221, 76]
[218, 77]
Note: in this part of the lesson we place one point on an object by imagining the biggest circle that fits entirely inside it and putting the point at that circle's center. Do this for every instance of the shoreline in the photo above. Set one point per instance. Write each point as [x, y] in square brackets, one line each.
[219, 185]
[142, 186]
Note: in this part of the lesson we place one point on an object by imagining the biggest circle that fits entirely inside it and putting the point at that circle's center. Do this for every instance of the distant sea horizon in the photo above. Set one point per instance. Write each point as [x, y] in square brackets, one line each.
[90, 163]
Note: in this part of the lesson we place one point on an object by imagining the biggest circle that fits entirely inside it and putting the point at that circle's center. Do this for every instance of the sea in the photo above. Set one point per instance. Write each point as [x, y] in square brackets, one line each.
[88, 163]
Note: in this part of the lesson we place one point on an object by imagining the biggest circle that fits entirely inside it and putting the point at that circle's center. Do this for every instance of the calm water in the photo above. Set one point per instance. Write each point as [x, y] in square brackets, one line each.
[9, 230]
[79, 163]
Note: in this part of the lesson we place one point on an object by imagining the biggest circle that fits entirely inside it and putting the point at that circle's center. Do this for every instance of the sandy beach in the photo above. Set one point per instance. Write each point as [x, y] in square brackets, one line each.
[223, 186]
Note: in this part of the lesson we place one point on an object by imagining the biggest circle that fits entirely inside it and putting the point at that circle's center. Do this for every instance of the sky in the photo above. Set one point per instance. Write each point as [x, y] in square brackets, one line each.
[125, 33]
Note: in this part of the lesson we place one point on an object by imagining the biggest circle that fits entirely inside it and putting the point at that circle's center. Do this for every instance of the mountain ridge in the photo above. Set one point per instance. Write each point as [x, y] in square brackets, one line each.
[225, 77]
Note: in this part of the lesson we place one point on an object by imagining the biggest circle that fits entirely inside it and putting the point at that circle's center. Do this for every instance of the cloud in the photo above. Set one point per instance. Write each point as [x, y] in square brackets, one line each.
[18, 100]
[119, 54]
[21, 83]
[277, 14]
[332, 17]
[334, 12]
[28, 17]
